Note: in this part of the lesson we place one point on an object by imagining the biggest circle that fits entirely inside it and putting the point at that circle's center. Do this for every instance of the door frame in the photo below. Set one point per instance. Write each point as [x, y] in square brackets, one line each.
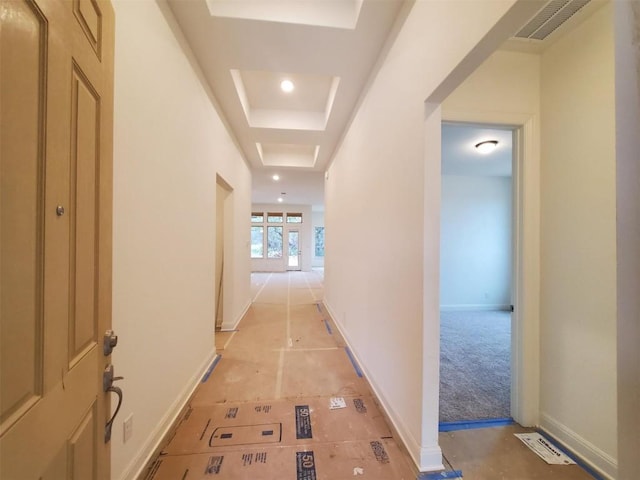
[512, 230]
[226, 290]
[525, 356]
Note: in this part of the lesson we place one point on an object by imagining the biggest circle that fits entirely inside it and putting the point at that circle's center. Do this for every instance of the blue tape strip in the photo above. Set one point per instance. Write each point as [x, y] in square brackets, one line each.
[439, 475]
[326, 324]
[472, 424]
[210, 369]
[318, 307]
[572, 456]
[353, 362]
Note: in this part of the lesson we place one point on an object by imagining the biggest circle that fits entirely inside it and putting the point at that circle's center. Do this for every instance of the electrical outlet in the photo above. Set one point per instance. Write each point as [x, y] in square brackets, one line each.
[127, 428]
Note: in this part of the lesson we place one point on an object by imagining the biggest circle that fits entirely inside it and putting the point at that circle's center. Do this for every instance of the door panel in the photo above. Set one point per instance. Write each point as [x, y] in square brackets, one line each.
[56, 122]
[21, 199]
[82, 447]
[84, 132]
[88, 14]
[32, 444]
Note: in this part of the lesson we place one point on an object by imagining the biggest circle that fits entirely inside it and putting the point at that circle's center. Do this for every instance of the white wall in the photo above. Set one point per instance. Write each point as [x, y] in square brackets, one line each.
[318, 221]
[578, 266]
[475, 243]
[169, 144]
[375, 283]
[627, 25]
[306, 239]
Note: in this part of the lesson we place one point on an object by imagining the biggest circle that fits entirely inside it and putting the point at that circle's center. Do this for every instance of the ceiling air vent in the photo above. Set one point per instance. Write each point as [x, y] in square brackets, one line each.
[547, 20]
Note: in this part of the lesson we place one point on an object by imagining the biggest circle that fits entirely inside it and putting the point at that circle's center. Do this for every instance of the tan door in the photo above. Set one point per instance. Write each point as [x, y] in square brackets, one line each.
[56, 110]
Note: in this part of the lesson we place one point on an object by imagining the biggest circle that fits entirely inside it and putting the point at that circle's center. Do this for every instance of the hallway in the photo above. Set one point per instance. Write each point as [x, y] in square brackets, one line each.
[271, 408]
[264, 411]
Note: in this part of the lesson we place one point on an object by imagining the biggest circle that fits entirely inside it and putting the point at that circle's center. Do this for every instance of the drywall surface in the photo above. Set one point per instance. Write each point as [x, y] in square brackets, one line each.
[509, 83]
[169, 144]
[305, 238]
[375, 199]
[578, 242]
[318, 221]
[475, 243]
[627, 27]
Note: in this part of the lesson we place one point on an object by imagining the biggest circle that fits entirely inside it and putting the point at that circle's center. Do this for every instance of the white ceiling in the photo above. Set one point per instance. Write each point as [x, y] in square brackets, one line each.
[460, 157]
[329, 49]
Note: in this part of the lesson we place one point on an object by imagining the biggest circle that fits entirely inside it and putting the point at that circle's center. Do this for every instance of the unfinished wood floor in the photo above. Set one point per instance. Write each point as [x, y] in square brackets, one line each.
[264, 412]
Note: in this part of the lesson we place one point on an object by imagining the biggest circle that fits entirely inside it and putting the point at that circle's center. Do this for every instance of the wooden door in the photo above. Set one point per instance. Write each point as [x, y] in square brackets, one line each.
[56, 110]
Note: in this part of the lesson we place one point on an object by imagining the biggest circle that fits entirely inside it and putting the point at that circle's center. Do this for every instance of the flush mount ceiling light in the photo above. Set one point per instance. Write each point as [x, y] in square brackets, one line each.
[276, 177]
[487, 146]
[280, 199]
[287, 86]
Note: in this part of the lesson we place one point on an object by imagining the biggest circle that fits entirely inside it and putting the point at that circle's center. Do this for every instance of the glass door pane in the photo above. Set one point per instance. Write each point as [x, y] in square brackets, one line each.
[293, 250]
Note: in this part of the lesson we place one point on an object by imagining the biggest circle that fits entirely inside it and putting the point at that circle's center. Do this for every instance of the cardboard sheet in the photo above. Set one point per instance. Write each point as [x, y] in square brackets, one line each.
[373, 460]
[545, 449]
[277, 423]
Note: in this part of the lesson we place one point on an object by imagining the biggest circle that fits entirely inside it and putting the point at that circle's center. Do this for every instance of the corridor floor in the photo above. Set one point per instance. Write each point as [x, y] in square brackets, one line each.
[265, 411]
[287, 401]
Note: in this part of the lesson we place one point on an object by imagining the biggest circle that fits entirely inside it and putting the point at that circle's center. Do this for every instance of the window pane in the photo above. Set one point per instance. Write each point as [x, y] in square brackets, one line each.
[274, 217]
[294, 218]
[257, 217]
[257, 242]
[274, 242]
[319, 236]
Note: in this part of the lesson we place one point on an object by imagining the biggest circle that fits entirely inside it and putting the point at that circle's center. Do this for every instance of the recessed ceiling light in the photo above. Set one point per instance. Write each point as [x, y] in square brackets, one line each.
[276, 177]
[280, 199]
[287, 86]
[487, 146]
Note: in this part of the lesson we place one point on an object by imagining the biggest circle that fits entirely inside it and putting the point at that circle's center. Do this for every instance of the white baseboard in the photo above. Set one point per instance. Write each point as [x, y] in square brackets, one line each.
[594, 457]
[475, 308]
[230, 326]
[136, 467]
[426, 459]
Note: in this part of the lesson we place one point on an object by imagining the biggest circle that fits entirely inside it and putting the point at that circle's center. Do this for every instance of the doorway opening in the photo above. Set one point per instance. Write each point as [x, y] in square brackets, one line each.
[223, 250]
[476, 272]
[293, 250]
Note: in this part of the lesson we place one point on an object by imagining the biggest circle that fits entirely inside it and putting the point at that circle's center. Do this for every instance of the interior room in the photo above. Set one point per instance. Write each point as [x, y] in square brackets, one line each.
[476, 264]
[141, 271]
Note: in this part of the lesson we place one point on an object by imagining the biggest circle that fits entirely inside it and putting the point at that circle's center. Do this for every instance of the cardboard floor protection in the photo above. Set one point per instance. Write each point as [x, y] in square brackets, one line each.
[378, 459]
[277, 423]
[266, 410]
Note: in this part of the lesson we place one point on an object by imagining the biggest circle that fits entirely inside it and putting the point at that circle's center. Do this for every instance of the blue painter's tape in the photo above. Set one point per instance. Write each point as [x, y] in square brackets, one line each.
[572, 456]
[210, 369]
[439, 475]
[326, 324]
[318, 307]
[472, 424]
[353, 362]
